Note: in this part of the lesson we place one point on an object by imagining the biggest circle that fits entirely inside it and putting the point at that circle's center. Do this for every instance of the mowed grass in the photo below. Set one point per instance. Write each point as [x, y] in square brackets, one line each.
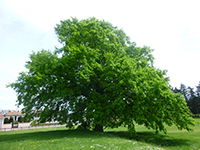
[62, 138]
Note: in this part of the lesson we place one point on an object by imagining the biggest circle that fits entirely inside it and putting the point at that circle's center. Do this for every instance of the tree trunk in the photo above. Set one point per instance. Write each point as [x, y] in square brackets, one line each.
[98, 128]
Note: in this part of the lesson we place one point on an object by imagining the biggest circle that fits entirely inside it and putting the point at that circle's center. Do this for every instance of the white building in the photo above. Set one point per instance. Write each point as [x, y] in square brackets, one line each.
[1, 120]
[14, 114]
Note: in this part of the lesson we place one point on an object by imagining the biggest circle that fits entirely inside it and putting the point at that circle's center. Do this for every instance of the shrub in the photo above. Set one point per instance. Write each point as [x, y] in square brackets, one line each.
[11, 120]
[20, 119]
[33, 123]
[6, 120]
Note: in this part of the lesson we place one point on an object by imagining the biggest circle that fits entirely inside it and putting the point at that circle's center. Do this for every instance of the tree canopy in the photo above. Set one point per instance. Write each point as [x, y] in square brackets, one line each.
[99, 78]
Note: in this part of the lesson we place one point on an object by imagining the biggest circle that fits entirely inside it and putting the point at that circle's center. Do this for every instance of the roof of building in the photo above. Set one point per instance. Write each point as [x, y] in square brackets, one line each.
[1, 116]
[14, 113]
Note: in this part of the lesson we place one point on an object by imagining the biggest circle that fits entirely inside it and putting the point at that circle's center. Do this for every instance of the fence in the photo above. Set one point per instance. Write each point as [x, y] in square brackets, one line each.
[24, 125]
[7, 126]
[35, 127]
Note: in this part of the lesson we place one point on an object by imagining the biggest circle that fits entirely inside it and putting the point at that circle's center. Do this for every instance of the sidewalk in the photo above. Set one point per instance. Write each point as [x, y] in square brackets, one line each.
[35, 127]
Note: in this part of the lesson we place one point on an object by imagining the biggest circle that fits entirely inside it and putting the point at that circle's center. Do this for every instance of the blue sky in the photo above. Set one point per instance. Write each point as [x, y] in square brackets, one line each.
[171, 28]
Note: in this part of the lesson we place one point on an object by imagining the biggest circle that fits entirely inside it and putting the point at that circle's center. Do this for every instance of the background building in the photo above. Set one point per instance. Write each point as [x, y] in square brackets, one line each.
[1, 120]
[14, 114]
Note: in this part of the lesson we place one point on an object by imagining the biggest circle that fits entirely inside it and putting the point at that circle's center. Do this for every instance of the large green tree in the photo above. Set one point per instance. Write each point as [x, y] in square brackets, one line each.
[99, 79]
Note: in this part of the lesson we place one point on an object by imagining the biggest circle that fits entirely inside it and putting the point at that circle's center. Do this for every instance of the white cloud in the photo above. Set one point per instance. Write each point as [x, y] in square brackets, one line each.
[8, 102]
[2, 98]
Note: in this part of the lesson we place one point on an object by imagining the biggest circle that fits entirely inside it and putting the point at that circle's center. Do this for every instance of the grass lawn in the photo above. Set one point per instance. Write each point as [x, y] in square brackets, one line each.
[61, 138]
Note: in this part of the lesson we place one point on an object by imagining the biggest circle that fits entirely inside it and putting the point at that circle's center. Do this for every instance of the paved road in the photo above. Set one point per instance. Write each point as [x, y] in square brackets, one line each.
[35, 127]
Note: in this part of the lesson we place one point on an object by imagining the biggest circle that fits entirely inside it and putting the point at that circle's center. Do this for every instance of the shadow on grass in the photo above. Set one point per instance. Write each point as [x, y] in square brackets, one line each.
[152, 138]
[37, 135]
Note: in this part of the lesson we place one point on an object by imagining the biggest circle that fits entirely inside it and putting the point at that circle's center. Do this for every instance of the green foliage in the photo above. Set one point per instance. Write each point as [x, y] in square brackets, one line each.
[6, 120]
[15, 122]
[11, 120]
[84, 126]
[20, 119]
[33, 123]
[192, 98]
[99, 79]
[26, 118]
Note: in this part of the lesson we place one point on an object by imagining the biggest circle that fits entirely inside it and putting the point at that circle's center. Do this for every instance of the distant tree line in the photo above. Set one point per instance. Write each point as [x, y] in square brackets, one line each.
[192, 97]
